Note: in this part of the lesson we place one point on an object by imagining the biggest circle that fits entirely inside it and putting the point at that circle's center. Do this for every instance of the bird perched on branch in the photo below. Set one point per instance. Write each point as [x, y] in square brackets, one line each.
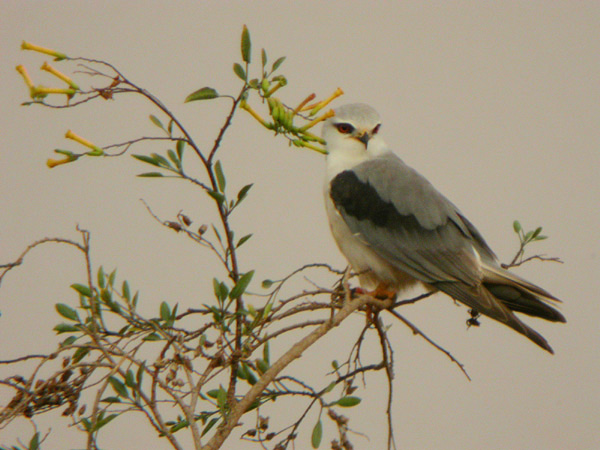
[397, 230]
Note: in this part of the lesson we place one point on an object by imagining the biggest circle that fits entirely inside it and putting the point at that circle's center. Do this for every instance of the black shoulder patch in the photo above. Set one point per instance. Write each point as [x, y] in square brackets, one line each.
[360, 200]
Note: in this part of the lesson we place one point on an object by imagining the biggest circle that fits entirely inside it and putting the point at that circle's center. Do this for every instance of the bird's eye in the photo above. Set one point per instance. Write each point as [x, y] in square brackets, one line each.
[344, 128]
[376, 129]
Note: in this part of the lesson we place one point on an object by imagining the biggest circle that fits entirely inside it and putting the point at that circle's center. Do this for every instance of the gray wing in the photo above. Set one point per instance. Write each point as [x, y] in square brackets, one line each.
[405, 220]
[402, 217]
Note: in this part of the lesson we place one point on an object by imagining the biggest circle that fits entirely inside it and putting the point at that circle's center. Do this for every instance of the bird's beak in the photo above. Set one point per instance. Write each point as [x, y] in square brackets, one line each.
[364, 138]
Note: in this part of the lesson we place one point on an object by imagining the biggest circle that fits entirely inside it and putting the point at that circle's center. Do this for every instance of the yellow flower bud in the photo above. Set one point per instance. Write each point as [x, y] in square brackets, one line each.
[48, 68]
[36, 48]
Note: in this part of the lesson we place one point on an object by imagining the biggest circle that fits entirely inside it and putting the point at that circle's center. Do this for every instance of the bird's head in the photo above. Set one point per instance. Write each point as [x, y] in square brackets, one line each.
[353, 129]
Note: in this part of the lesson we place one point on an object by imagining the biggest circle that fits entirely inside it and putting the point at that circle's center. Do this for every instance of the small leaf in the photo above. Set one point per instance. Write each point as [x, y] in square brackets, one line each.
[68, 341]
[536, 233]
[262, 366]
[348, 401]
[330, 387]
[173, 157]
[335, 365]
[241, 285]
[263, 55]
[317, 434]
[67, 312]
[220, 198]
[517, 226]
[180, 148]
[206, 93]
[111, 400]
[243, 192]
[211, 424]
[266, 284]
[118, 386]
[162, 161]
[243, 239]
[165, 311]
[129, 379]
[126, 292]
[150, 175]
[153, 337]
[239, 71]
[147, 159]
[246, 45]
[101, 280]
[65, 328]
[82, 289]
[140, 374]
[156, 121]
[79, 354]
[221, 183]
[34, 443]
[277, 63]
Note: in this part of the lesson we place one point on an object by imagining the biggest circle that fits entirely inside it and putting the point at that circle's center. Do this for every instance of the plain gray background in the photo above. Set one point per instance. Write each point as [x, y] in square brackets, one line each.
[497, 103]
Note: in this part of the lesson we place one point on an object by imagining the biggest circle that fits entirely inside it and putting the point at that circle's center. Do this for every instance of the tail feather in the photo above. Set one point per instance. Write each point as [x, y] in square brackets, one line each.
[484, 301]
[520, 295]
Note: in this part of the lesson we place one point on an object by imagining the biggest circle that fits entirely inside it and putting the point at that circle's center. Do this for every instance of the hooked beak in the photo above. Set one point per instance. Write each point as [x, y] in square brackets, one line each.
[364, 138]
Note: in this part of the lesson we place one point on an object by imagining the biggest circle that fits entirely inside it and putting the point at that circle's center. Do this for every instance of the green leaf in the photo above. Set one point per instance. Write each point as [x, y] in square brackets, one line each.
[221, 183]
[517, 226]
[104, 421]
[111, 400]
[246, 45]
[150, 175]
[277, 63]
[68, 341]
[536, 233]
[330, 387]
[156, 121]
[335, 365]
[239, 71]
[243, 239]
[220, 198]
[243, 192]
[162, 161]
[118, 386]
[165, 311]
[180, 147]
[348, 401]
[266, 284]
[140, 374]
[263, 56]
[126, 292]
[241, 285]
[129, 379]
[173, 157]
[153, 337]
[147, 159]
[211, 424]
[67, 312]
[65, 328]
[206, 93]
[101, 279]
[34, 443]
[80, 354]
[82, 289]
[262, 366]
[317, 434]
[170, 127]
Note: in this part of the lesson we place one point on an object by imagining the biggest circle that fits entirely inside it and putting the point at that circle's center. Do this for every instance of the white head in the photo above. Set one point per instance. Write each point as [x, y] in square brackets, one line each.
[354, 131]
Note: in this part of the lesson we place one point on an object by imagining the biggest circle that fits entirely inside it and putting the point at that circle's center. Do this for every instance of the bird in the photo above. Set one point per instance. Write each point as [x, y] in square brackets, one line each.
[398, 231]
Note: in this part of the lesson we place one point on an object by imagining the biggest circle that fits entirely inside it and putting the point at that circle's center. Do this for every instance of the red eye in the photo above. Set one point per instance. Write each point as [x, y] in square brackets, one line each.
[344, 128]
[376, 129]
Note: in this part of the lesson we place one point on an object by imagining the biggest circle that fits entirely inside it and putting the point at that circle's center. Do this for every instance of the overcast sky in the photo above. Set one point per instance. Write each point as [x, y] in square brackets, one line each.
[496, 103]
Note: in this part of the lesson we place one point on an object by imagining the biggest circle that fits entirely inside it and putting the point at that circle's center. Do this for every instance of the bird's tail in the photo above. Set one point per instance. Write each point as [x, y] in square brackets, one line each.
[519, 295]
[484, 301]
